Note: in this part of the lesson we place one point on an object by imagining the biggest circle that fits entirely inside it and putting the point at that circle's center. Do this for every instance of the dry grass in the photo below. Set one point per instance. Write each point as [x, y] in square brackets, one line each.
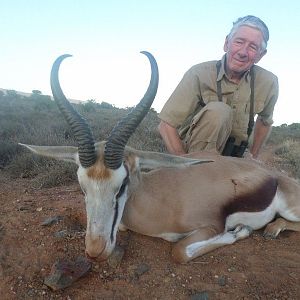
[289, 157]
[36, 120]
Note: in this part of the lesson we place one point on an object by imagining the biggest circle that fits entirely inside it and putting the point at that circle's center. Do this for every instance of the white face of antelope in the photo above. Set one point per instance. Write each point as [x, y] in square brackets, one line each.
[102, 175]
[105, 197]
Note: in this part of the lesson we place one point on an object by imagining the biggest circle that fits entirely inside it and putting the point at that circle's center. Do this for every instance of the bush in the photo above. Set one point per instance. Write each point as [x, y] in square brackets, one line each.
[36, 120]
[8, 151]
[289, 154]
[59, 174]
[283, 132]
[44, 172]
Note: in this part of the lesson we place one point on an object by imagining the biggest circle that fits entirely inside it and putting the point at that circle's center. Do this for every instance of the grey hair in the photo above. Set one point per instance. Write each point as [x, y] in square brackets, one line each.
[253, 22]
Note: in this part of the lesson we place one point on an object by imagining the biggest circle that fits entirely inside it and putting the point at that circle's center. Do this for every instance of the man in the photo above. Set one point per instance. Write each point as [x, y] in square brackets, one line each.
[214, 105]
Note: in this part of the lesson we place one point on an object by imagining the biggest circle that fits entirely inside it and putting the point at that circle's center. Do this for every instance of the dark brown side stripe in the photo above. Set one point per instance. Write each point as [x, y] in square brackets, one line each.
[257, 201]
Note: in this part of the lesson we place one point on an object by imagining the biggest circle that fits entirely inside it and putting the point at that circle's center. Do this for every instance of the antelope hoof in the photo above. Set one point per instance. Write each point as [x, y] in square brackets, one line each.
[273, 229]
[241, 231]
[271, 232]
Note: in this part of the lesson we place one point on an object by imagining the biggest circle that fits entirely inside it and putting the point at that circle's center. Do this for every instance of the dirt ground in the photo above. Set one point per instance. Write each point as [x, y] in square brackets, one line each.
[254, 268]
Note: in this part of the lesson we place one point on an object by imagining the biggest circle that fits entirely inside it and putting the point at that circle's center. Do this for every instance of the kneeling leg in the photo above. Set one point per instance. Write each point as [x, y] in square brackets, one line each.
[273, 229]
[205, 240]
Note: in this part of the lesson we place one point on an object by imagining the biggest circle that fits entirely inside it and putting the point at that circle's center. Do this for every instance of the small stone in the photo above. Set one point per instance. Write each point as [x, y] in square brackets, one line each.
[24, 208]
[64, 273]
[200, 296]
[39, 209]
[61, 234]
[141, 269]
[51, 220]
[222, 280]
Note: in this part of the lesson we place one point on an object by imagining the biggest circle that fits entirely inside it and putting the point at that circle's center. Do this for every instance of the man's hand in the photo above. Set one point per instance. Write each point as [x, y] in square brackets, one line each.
[261, 132]
[249, 156]
[171, 138]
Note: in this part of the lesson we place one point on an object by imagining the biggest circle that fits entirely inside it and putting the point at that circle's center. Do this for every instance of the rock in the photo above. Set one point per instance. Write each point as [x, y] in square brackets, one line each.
[61, 234]
[116, 257]
[222, 280]
[64, 273]
[51, 220]
[200, 296]
[141, 269]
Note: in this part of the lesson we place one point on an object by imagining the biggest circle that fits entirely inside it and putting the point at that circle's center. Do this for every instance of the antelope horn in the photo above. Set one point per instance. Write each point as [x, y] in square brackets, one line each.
[119, 136]
[78, 125]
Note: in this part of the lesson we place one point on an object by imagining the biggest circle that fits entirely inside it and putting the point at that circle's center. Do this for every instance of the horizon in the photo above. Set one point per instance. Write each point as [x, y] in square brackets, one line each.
[77, 101]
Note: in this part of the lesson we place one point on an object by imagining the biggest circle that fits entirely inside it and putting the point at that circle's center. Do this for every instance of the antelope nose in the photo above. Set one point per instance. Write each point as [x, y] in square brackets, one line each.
[94, 246]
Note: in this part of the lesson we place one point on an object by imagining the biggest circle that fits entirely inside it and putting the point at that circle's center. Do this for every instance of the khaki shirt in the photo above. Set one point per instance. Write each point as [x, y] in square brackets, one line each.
[198, 85]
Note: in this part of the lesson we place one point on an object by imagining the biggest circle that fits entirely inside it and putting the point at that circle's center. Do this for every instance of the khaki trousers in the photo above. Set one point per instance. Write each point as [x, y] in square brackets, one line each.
[209, 129]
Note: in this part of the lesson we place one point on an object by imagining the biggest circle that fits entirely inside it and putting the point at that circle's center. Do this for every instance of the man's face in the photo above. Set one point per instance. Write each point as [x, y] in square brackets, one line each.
[243, 49]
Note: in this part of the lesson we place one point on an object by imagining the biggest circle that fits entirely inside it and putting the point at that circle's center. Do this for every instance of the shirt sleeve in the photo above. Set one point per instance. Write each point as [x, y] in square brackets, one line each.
[183, 100]
[266, 115]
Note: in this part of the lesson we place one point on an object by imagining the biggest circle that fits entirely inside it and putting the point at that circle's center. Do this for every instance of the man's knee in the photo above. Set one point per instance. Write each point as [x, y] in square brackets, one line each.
[218, 113]
[210, 128]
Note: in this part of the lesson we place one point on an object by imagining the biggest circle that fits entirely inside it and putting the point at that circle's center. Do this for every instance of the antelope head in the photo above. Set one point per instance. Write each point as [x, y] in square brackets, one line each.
[105, 168]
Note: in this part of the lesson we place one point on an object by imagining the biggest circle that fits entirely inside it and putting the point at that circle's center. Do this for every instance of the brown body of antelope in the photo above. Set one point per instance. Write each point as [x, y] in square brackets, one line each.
[200, 202]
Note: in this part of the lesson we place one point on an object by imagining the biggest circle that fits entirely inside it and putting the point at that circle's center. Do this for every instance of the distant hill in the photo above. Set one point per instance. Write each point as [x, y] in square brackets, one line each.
[7, 91]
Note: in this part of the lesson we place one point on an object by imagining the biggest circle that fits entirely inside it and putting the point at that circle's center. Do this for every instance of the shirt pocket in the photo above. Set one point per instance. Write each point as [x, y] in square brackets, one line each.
[209, 97]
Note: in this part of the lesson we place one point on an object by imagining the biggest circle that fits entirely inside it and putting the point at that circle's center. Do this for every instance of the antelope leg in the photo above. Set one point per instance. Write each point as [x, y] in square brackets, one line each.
[205, 240]
[273, 229]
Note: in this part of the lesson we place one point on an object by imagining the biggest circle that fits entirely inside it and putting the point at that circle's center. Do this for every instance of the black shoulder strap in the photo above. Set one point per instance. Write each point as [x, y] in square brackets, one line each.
[251, 113]
[219, 88]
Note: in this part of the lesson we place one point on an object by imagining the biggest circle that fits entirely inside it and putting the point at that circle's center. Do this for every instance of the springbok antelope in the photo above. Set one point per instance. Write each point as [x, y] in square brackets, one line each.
[200, 202]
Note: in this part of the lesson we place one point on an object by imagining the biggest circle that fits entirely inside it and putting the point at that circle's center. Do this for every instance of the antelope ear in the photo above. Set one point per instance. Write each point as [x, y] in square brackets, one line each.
[66, 153]
[155, 160]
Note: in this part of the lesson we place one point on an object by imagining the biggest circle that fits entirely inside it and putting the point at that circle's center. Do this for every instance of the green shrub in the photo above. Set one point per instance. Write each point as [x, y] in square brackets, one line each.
[36, 120]
[283, 132]
[289, 154]
[44, 172]
[8, 151]
[59, 174]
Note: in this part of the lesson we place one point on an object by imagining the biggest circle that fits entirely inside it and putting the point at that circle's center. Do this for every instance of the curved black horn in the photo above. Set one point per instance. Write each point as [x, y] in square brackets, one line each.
[118, 138]
[78, 125]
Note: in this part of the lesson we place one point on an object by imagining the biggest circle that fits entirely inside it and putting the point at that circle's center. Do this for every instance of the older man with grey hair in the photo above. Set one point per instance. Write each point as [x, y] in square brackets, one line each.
[214, 105]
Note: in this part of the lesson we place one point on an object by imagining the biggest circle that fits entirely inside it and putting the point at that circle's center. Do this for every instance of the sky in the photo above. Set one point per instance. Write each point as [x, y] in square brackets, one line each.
[105, 38]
